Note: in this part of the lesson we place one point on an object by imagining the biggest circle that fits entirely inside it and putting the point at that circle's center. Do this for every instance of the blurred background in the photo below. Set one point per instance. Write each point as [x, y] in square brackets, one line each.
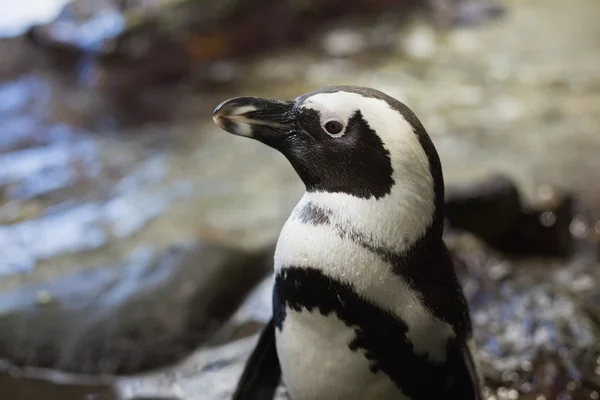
[136, 239]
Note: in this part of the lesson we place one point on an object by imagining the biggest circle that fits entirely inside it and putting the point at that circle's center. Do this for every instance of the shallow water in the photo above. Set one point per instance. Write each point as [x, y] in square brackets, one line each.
[16, 17]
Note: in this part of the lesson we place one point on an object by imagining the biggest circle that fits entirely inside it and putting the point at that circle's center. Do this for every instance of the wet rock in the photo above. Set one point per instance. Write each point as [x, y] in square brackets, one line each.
[493, 210]
[249, 318]
[17, 57]
[536, 336]
[488, 208]
[82, 24]
[535, 323]
[209, 373]
[76, 227]
[218, 28]
[472, 12]
[466, 12]
[148, 312]
[33, 384]
[165, 41]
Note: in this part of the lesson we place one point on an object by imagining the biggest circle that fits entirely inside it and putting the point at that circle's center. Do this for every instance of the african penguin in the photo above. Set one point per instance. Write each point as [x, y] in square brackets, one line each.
[366, 302]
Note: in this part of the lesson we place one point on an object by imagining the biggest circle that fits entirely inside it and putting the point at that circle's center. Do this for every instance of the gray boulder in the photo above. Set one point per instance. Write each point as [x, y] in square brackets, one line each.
[150, 311]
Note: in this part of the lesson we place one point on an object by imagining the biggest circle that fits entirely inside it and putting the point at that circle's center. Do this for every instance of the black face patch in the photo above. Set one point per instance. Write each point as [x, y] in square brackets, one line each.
[356, 163]
[379, 334]
[435, 166]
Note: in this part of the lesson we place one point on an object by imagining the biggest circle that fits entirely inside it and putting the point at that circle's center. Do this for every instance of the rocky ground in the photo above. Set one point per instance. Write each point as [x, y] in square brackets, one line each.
[132, 230]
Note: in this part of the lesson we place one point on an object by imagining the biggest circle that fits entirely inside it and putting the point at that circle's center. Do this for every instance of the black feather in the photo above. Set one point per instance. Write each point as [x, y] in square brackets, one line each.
[262, 372]
[464, 383]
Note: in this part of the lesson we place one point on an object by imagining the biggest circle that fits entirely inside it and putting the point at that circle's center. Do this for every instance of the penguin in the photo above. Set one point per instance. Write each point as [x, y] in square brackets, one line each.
[366, 301]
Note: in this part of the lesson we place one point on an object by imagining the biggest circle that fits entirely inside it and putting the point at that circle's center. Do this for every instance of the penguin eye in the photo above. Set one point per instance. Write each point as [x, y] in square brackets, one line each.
[334, 128]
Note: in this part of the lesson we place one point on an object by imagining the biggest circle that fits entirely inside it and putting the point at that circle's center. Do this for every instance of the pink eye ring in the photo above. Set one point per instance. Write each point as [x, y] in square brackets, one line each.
[334, 128]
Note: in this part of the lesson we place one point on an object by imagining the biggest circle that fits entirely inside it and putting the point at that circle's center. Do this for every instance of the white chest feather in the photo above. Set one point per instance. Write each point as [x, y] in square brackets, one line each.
[321, 247]
[313, 349]
[317, 364]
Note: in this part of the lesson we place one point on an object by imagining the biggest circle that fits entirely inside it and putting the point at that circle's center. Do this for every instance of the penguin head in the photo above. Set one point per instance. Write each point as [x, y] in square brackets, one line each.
[356, 142]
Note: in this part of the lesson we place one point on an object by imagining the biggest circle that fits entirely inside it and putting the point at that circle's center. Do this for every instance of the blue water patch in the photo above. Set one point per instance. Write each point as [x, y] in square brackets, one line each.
[18, 16]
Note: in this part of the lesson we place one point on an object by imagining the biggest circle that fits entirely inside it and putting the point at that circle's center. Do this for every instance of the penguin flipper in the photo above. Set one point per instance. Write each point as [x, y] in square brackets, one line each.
[466, 380]
[262, 372]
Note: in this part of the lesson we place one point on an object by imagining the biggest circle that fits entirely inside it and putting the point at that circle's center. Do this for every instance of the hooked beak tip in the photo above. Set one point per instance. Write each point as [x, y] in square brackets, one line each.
[230, 117]
[218, 116]
[225, 108]
[219, 120]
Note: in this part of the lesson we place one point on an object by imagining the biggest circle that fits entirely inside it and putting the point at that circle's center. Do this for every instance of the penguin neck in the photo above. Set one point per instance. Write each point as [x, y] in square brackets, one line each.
[398, 222]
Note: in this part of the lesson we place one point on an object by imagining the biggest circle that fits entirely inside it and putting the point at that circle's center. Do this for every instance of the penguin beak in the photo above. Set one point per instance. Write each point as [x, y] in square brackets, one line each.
[265, 120]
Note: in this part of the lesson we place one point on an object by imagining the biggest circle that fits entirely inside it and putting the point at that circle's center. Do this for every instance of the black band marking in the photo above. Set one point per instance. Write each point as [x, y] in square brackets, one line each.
[379, 334]
[426, 267]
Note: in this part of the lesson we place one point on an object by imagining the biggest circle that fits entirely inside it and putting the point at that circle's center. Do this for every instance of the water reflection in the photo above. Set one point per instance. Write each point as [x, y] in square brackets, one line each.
[137, 199]
[17, 16]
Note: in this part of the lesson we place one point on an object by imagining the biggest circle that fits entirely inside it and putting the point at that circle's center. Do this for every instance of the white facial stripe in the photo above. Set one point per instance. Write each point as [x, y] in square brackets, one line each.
[402, 217]
[321, 247]
[396, 133]
[339, 105]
